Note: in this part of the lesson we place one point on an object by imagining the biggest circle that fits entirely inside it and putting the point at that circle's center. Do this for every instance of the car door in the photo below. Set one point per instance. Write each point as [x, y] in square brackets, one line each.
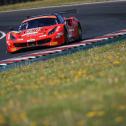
[72, 26]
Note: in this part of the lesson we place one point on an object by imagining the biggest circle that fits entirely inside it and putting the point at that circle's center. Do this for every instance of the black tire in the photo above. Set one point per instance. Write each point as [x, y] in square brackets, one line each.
[80, 32]
[66, 36]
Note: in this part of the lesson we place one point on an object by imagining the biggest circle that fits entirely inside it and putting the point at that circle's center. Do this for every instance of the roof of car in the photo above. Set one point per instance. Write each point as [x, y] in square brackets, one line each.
[39, 17]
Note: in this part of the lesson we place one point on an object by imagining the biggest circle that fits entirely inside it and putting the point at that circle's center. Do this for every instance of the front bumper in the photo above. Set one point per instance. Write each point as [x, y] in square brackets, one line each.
[13, 46]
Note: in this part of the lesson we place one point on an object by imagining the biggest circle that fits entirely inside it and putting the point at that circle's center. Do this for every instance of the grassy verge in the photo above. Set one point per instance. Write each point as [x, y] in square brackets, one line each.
[87, 88]
[43, 3]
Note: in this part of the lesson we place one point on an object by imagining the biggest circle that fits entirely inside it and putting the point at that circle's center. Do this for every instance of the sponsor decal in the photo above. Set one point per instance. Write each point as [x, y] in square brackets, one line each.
[33, 30]
[41, 36]
[53, 43]
[31, 40]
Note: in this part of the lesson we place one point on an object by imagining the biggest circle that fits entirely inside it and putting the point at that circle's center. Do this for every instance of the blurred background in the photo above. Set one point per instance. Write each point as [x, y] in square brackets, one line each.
[6, 2]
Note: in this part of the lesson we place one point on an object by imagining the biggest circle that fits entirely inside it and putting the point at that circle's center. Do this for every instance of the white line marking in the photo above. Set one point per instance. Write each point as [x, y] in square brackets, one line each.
[117, 34]
[29, 57]
[73, 45]
[21, 58]
[3, 64]
[65, 5]
[3, 35]
[96, 39]
[123, 30]
[45, 52]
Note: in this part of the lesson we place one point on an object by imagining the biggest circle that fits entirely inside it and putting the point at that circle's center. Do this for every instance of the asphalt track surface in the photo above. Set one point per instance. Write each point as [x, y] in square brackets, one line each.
[96, 20]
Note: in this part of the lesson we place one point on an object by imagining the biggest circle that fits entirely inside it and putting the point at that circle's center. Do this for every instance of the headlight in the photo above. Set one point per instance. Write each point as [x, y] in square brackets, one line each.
[12, 37]
[52, 31]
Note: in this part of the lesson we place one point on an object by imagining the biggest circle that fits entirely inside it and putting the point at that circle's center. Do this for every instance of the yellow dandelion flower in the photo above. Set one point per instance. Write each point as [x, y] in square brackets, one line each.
[2, 119]
[79, 74]
[91, 114]
[119, 119]
[33, 124]
[19, 117]
[4, 109]
[100, 113]
[23, 116]
[46, 122]
[121, 107]
[80, 123]
[95, 114]
[110, 57]
[56, 93]
[15, 118]
[116, 62]
[96, 58]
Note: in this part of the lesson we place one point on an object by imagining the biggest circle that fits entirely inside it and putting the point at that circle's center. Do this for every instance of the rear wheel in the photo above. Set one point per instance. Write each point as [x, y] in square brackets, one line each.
[79, 32]
[66, 40]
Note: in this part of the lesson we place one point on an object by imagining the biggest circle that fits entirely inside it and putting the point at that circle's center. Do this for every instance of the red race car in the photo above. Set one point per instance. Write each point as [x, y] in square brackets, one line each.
[47, 30]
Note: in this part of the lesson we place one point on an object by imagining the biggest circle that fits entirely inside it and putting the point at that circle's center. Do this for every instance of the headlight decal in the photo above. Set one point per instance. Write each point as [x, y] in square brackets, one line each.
[52, 31]
[12, 36]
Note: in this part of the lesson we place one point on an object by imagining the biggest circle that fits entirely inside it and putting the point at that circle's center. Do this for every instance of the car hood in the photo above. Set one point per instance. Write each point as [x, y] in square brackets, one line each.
[33, 33]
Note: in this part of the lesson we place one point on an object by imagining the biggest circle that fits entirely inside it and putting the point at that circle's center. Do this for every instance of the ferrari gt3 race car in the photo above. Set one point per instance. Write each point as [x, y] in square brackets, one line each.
[45, 30]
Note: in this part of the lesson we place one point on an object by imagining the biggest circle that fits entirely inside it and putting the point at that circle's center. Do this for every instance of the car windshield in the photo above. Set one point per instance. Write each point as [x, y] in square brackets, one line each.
[37, 23]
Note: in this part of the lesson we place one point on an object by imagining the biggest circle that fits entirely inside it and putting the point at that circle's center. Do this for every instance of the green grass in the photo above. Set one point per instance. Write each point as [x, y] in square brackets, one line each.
[43, 3]
[87, 88]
